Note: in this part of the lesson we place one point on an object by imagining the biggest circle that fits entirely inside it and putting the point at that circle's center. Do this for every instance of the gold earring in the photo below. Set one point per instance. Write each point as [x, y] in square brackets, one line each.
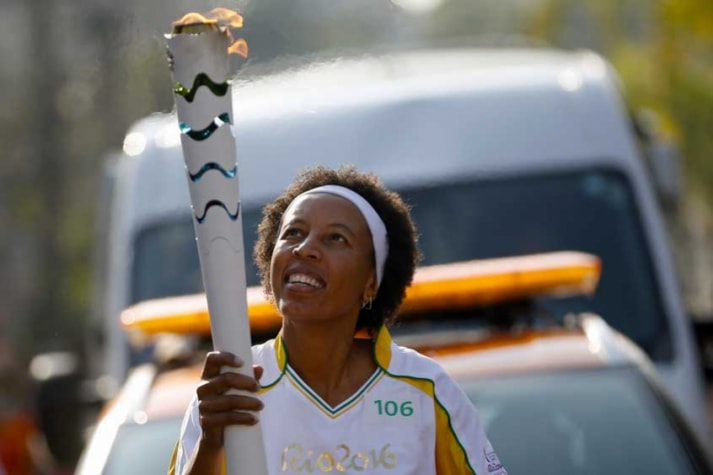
[366, 304]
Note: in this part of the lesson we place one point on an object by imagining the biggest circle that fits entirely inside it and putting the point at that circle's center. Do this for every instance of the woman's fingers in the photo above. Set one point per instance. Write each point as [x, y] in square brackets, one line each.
[216, 360]
[229, 402]
[215, 421]
[225, 382]
[217, 405]
[219, 411]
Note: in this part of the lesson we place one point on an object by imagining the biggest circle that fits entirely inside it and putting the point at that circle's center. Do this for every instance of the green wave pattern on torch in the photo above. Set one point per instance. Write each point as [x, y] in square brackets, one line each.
[218, 89]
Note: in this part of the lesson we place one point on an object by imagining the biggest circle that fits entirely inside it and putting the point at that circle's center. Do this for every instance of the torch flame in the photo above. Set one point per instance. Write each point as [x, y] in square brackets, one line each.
[227, 17]
[239, 47]
[192, 19]
[221, 17]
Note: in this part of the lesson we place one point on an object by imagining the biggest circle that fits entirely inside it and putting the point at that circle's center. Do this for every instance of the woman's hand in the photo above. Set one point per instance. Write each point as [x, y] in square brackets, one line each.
[217, 408]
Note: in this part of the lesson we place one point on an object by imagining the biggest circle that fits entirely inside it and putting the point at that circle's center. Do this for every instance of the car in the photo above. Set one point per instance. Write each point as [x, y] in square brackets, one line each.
[556, 393]
[581, 400]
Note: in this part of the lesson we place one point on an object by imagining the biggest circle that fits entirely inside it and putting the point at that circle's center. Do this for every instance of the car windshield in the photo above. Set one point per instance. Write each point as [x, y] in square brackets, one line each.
[476, 219]
[143, 449]
[582, 423]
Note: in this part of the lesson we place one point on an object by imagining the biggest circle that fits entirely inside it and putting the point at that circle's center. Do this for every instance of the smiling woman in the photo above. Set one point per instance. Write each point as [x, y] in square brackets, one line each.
[336, 252]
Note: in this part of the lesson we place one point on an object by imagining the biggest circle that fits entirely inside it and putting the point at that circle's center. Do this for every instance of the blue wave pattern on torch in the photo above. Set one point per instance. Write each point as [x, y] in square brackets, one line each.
[212, 203]
[205, 133]
[195, 177]
[218, 89]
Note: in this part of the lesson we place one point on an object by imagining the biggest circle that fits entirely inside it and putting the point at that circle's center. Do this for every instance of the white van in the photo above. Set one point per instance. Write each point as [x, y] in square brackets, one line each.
[500, 152]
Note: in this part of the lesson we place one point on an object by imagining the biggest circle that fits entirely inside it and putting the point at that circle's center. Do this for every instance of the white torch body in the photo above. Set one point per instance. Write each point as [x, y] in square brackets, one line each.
[205, 114]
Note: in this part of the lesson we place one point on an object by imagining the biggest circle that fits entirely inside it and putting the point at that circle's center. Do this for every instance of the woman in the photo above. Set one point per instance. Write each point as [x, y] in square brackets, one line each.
[336, 252]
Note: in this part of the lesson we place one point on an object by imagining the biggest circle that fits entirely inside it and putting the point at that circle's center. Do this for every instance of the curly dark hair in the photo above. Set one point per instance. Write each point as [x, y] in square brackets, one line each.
[403, 256]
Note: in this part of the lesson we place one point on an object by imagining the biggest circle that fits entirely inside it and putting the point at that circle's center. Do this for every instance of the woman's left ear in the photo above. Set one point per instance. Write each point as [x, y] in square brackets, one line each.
[371, 290]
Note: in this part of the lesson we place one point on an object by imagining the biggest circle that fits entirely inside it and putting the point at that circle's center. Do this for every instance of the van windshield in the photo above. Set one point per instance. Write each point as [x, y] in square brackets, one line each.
[477, 219]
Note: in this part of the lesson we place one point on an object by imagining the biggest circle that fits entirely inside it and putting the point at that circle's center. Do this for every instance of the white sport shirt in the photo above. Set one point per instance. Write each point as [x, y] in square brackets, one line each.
[409, 418]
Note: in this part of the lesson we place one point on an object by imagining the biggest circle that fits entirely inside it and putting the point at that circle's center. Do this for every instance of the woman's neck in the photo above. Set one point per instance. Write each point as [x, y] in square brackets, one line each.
[329, 359]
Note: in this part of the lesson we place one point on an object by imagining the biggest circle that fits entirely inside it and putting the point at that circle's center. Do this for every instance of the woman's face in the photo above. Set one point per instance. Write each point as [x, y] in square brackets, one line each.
[322, 265]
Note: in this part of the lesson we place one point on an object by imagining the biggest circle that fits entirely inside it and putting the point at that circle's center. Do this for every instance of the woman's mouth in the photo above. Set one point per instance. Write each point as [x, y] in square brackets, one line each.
[300, 279]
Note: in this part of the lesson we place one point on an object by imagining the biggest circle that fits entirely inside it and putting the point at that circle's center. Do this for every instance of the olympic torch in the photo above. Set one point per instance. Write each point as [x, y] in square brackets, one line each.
[198, 49]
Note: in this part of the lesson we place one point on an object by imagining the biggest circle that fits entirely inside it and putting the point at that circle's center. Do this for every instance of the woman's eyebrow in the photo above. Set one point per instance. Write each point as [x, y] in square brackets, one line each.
[293, 221]
[302, 221]
[344, 227]
[285, 224]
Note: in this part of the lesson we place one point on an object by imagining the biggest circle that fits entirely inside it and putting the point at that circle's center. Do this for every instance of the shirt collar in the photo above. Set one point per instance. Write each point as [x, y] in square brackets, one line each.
[382, 349]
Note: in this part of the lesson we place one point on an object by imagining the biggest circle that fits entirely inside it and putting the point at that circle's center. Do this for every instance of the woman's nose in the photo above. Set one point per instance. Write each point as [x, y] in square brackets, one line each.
[307, 249]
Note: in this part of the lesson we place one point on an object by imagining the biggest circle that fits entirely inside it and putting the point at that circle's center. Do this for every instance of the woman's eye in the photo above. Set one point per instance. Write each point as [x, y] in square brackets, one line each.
[290, 232]
[337, 237]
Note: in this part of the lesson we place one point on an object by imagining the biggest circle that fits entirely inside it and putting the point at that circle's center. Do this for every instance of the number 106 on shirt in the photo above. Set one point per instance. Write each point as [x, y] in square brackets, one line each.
[393, 408]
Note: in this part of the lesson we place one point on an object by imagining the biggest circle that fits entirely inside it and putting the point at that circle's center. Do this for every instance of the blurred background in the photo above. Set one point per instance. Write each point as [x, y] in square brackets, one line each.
[76, 74]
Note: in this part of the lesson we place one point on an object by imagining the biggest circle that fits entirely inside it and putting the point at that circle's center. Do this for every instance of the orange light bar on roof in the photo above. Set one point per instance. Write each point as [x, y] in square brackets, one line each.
[189, 314]
[491, 281]
[440, 287]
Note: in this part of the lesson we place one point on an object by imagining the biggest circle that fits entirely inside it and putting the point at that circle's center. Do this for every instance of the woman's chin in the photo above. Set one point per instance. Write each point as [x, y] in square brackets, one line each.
[299, 311]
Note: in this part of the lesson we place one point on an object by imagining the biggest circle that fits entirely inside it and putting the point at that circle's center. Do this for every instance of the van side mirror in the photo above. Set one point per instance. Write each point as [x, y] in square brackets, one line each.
[703, 331]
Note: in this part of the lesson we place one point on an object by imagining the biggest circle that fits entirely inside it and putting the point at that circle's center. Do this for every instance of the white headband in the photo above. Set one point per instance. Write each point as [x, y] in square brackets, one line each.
[376, 225]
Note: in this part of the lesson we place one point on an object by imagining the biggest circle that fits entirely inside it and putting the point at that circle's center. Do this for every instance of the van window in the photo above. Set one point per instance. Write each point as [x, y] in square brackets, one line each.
[589, 211]
[166, 260]
[585, 211]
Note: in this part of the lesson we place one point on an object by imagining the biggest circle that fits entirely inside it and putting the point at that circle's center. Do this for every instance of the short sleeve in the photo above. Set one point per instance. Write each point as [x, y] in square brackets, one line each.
[462, 447]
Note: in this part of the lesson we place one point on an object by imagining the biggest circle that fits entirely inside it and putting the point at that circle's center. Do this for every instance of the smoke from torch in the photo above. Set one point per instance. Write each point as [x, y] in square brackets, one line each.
[198, 50]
